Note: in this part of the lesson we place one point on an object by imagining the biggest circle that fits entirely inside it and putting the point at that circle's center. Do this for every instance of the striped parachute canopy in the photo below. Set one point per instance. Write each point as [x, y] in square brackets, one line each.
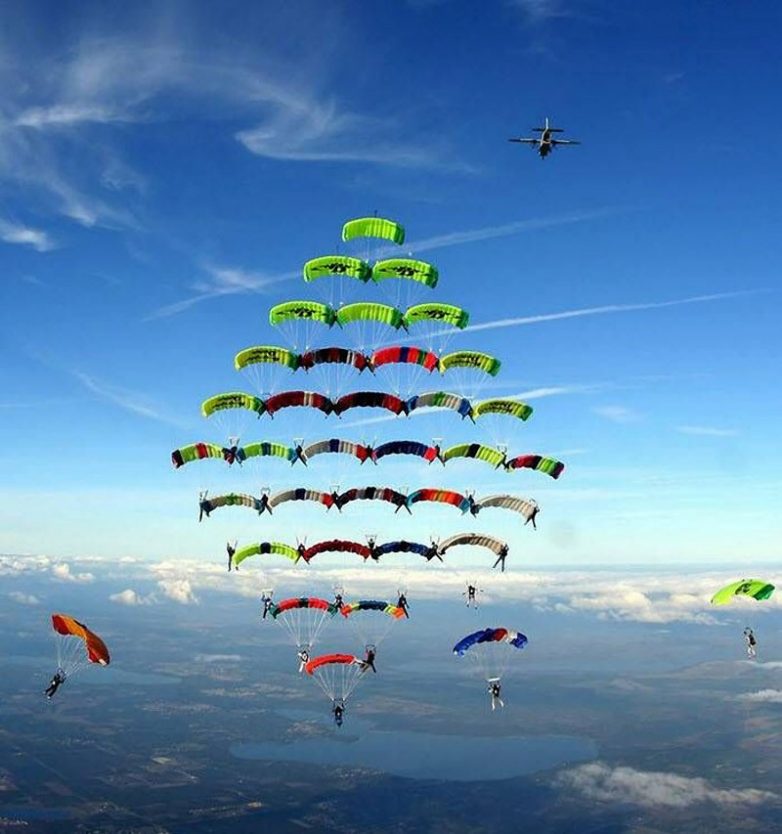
[332, 356]
[441, 399]
[540, 464]
[526, 507]
[196, 451]
[757, 589]
[336, 446]
[490, 635]
[476, 451]
[406, 268]
[264, 449]
[337, 265]
[377, 227]
[404, 355]
[473, 540]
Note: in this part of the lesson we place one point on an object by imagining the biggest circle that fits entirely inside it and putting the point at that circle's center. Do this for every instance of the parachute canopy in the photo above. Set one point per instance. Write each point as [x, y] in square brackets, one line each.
[339, 265]
[299, 399]
[490, 635]
[513, 408]
[547, 465]
[95, 647]
[757, 589]
[370, 311]
[374, 227]
[302, 310]
[196, 451]
[337, 446]
[404, 355]
[234, 399]
[441, 399]
[266, 354]
[407, 268]
[470, 359]
[433, 311]
[332, 356]
[262, 548]
[475, 540]
[476, 451]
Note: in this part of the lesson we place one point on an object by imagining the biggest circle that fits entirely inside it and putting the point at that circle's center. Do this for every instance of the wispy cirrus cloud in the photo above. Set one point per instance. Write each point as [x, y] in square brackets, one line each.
[653, 789]
[707, 431]
[606, 309]
[26, 236]
[223, 281]
[762, 696]
[617, 413]
[123, 398]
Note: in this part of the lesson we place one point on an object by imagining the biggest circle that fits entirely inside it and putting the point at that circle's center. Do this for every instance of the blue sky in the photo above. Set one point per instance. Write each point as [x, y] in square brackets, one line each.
[166, 169]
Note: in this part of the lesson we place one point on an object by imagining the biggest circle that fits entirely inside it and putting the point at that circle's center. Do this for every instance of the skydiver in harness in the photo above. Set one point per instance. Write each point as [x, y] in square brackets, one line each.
[752, 643]
[266, 599]
[369, 660]
[472, 506]
[438, 453]
[335, 500]
[204, 505]
[535, 511]
[433, 552]
[495, 688]
[373, 549]
[339, 711]
[501, 557]
[301, 549]
[298, 454]
[338, 601]
[304, 658]
[470, 594]
[232, 453]
[58, 679]
[263, 504]
[403, 604]
[231, 550]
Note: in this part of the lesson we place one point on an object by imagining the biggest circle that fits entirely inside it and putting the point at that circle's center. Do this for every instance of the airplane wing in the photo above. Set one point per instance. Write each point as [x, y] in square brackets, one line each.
[565, 142]
[525, 141]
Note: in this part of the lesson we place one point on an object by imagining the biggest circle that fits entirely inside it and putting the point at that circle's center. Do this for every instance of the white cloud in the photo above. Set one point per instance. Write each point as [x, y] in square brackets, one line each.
[763, 696]
[26, 236]
[218, 658]
[650, 789]
[706, 431]
[179, 590]
[62, 571]
[130, 597]
[617, 413]
[24, 599]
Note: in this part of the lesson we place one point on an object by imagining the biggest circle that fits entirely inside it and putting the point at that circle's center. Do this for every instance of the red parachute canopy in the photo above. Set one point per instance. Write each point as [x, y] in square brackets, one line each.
[293, 399]
[336, 546]
[404, 355]
[329, 659]
[96, 648]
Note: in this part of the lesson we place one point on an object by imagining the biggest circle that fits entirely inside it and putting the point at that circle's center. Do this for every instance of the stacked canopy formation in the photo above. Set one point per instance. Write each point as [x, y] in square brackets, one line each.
[752, 588]
[377, 227]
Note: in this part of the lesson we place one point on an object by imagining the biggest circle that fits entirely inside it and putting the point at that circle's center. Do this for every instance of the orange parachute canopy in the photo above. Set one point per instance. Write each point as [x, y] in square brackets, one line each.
[96, 648]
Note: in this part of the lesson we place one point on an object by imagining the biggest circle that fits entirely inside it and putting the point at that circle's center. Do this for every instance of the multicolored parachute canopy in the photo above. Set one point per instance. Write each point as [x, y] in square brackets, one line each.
[333, 356]
[266, 355]
[405, 447]
[372, 605]
[336, 446]
[337, 265]
[404, 355]
[757, 589]
[374, 227]
[303, 618]
[370, 399]
[490, 635]
[196, 451]
[298, 399]
[407, 268]
[470, 359]
[447, 314]
[497, 546]
[302, 494]
[371, 493]
[231, 499]
[233, 399]
[441, 399]
[265, 449]
[525, 506]
[441, 496]
[94, 647]
[540, 464]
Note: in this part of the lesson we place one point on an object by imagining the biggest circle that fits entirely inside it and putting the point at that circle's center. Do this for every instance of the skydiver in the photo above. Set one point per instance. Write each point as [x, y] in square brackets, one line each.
[535, 511]
[266, 599]
[301, 549]
[338, 601]
[470, 594]
[204, 505]
[752, 643]
[433, 552]
[231, 453]
[339, 711]
[373, 549]
[369, 660]
[57, 680]
[263, 504]
[438, 453]
[472, 506]
[501, 557]
[495, 688]
[335, 500]
[402, 603]
[298, 454]
[231, 550]
[304, 659]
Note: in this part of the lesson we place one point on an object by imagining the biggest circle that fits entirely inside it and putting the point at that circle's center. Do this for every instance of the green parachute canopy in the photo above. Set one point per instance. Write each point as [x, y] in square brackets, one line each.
[373, 227]
[408, 268]
[370, 311]
[513, 408]
[233, 399]
[470, 359]
[261, 548]
[302, 310]
[266, 354]
[755, 588]
[337, 265]
[435, 312]
[476, 451]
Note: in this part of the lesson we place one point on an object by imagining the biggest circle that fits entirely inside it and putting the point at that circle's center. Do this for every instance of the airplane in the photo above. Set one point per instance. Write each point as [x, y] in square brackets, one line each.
[545, 143]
